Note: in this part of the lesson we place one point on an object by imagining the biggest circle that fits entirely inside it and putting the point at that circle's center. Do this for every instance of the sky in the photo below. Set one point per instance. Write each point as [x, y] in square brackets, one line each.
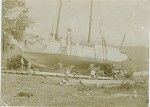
[116, 17]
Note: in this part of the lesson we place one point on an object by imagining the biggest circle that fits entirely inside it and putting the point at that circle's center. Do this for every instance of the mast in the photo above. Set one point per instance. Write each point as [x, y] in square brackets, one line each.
[89, 34]
[58, 19]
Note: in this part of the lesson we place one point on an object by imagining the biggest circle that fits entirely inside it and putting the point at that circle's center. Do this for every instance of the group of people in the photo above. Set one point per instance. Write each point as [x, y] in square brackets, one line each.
[29, 64]
[95, 70]
[92, 68]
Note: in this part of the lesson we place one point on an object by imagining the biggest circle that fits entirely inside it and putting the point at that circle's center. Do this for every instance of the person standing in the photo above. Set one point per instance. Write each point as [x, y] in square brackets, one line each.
[22, 63]
[93, 74]
[92, 71]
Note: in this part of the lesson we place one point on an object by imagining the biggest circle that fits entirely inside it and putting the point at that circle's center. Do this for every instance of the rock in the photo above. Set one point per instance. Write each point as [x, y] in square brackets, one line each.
[25, 94]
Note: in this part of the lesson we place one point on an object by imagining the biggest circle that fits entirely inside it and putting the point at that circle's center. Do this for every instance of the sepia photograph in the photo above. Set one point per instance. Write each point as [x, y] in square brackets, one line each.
[75, 53]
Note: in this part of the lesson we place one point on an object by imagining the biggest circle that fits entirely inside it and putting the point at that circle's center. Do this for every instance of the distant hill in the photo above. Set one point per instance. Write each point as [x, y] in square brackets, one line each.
[138, 58]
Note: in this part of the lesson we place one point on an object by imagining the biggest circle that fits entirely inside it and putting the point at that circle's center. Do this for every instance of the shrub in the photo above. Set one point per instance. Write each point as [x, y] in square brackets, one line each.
[128, 74]
[15, 62]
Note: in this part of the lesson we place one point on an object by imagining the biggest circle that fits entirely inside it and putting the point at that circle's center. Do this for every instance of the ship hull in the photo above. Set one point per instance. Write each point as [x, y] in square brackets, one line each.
[52, 59]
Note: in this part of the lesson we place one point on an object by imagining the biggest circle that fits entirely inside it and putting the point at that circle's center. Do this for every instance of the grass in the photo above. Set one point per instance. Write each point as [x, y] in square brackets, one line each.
[48, 92]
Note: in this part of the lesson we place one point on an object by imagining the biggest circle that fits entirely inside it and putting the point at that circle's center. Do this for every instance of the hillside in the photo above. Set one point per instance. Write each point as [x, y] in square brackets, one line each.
[138, 58]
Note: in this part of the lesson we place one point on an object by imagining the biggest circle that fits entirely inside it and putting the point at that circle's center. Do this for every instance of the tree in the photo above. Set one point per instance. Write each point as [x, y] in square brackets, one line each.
[15, 20]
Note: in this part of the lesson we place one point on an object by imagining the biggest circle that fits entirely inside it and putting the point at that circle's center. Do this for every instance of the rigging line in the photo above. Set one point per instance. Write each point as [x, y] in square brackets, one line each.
[69, 10]
[58, 19]
[122, 41]
[105, 48]
[44, 46]
[90, 24]
[104, 45]
[101, 34]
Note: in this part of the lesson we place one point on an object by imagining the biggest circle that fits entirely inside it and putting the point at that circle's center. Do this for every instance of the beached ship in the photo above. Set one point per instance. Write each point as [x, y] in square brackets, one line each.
[64, 50]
